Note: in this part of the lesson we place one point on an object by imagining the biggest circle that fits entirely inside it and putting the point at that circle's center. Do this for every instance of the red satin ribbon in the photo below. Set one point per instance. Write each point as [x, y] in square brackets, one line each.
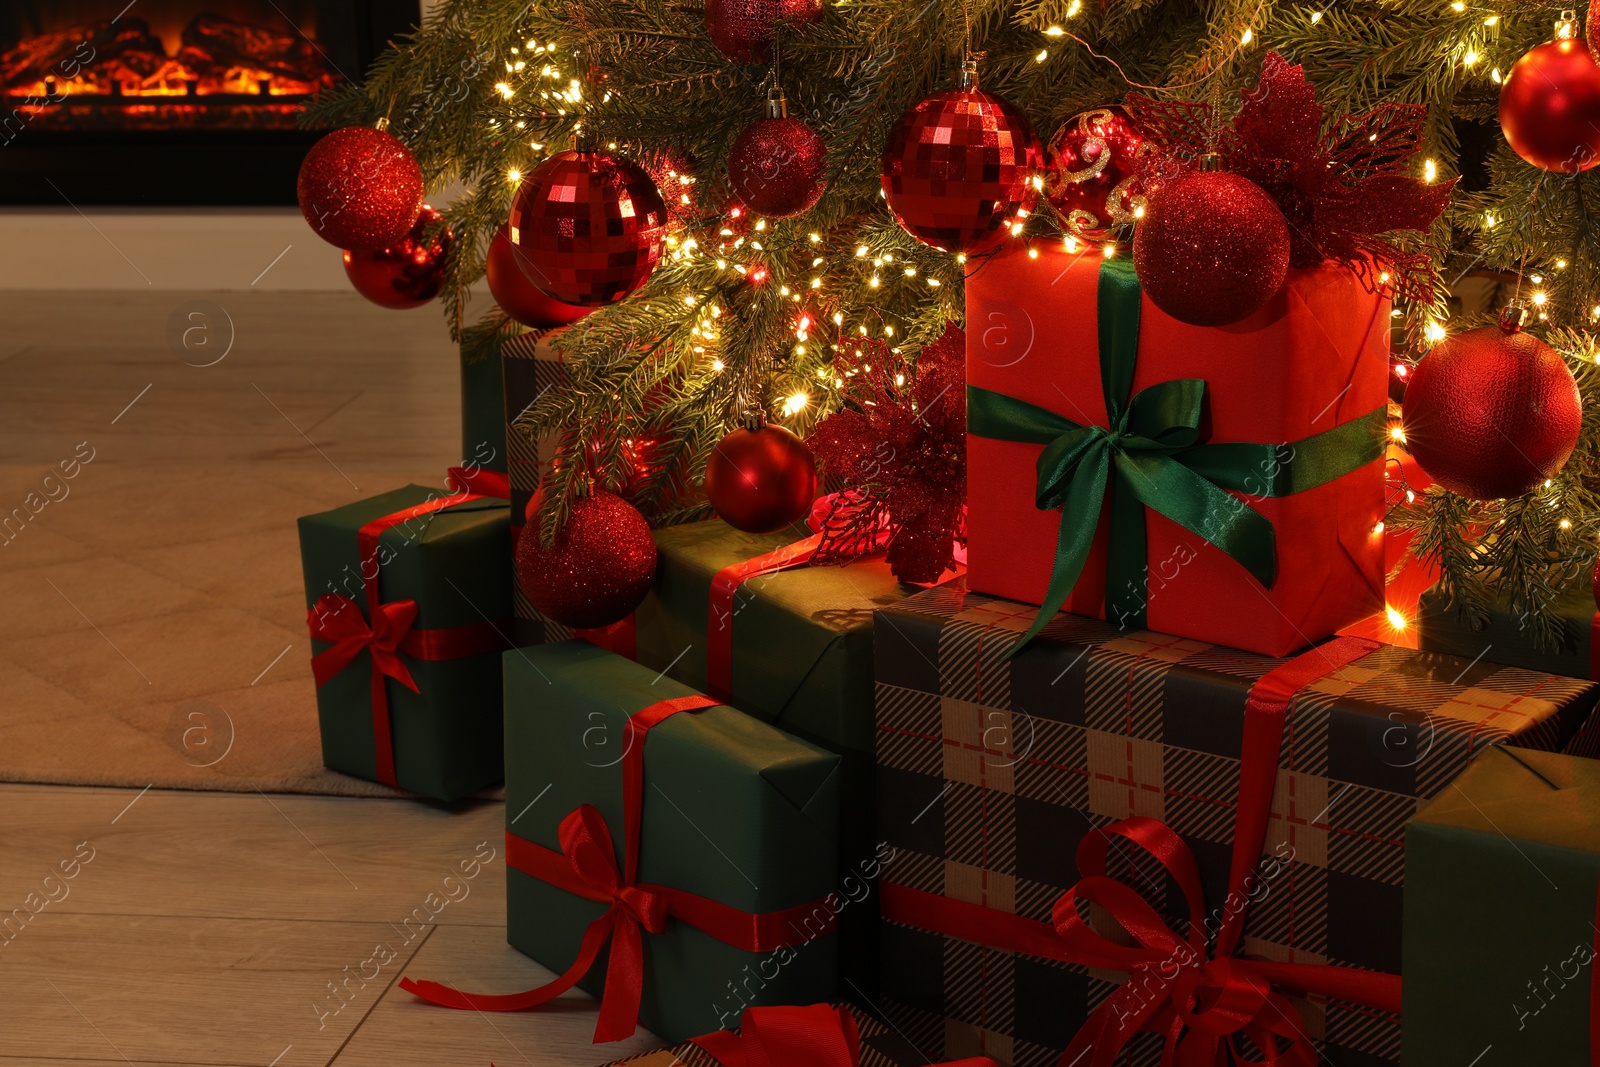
[586, 866]
[479, 481]
[818, 1035]
[389, 633]
[1199, 997]
[719, 618]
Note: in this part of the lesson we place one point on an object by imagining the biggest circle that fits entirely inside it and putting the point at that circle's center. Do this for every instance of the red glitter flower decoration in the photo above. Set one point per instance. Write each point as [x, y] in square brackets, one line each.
[1341, 185]
[900, 446]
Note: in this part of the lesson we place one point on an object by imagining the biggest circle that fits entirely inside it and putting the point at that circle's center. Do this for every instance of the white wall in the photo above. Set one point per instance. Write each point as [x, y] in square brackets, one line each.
[165, 248]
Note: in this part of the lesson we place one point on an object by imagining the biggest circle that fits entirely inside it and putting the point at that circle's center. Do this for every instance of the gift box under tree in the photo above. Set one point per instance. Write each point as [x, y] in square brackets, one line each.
[669, 854]
[1237, 494]
[409, 603]
[1276, 791]
[1566, 645]
[1500, 934]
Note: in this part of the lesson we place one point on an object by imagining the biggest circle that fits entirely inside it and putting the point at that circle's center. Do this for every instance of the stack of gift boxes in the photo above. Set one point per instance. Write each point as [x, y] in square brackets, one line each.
[1118, 793]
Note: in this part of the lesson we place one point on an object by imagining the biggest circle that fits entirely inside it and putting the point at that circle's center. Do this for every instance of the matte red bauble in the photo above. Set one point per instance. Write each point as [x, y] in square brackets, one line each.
[360, 189]
[959, 168]
[742, 29]
[590, 227]
[1550, 107]
[761, 480]
[599, 567]
[1094, 175]
[408, 273]
[1212, 249]
[777, 165]
[1492, 414]
[519, 297]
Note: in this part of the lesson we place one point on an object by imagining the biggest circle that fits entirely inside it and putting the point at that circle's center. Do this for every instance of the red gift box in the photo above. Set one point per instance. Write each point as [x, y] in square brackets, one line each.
[1303, 380]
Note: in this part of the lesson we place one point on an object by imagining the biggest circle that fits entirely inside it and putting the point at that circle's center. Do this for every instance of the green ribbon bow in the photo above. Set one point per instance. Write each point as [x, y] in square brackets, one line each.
[1151, 449]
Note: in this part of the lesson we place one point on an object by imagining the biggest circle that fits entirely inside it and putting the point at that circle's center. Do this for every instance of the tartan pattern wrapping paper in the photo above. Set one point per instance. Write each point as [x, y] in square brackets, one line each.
[990, 772]
[531, 367]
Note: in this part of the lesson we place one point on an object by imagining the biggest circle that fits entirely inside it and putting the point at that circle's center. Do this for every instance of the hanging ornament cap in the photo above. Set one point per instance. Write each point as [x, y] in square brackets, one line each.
[584, 140]
[1567, 25]
[1211, 162]
[969, 73]
[755, 419]
[1514, 316]
[777, 104]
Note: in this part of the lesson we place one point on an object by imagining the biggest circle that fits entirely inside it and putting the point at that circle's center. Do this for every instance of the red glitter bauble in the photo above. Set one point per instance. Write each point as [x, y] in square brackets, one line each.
[598, 569]
[1550, 107]
[408, 273]
[360, 189]
[761, 480]
[742, 29]
[1212, 249]
[519, 297]
[776, 167]
[1492, 414]
[590, 227]
[959, 168]
[1094, 175]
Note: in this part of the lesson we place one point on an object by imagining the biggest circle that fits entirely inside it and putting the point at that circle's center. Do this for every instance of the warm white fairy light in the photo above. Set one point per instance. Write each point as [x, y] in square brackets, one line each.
[1433, 331]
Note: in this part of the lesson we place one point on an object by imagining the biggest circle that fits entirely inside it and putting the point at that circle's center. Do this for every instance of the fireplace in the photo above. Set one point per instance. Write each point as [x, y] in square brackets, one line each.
[157, 102]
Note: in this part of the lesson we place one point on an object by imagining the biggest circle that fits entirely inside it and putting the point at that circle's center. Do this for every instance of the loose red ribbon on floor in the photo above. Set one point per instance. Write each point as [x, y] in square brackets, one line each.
[389, 634]
[818, 1035]
[586, 866]
[1200, 997]
[724, 588]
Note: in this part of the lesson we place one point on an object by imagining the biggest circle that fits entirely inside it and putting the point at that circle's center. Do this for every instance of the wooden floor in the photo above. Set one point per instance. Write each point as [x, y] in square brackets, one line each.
[221, 929]
[253, 927]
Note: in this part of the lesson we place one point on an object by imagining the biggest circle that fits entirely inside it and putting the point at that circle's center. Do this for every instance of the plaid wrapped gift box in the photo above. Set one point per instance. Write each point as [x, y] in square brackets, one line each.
[530, 366]
[991, 773]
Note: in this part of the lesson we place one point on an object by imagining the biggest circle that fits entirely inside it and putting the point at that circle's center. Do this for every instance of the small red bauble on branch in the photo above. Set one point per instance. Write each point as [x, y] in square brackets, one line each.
[597, 570]
[590, 226]
[1094, 178]
[761, 478]
[1550, 105]
[1212, 249]
[959, 168]
[519, 297]
[1342, 185]
[408, 273]
[777, 165]
[1493, 412]
[360, 189]
[742, 30]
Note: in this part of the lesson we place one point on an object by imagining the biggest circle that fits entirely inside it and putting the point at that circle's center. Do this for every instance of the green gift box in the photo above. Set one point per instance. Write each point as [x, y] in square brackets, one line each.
[442, 564]
[798, 653]
[731, 810]
[1509, 637]
[483, 399]
[1500, 903]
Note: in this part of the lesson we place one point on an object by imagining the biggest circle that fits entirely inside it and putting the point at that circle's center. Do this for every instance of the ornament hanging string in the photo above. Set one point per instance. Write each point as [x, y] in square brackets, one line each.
[1170, 88]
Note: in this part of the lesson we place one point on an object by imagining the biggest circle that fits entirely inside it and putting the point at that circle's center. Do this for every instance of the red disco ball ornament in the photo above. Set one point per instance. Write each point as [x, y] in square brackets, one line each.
[777, 165]
[360, 189]
[742, 29]
[590, 227]
[1212, 248]
[1550, 107]
[408, 273]
[761, 479]
[519, 297]
[958, 168]
[1492, 413]
[1094, 178]
[597, 570]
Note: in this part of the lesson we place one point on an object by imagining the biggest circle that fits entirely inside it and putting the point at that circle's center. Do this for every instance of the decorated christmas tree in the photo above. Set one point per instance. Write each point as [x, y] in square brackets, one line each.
[748, 211]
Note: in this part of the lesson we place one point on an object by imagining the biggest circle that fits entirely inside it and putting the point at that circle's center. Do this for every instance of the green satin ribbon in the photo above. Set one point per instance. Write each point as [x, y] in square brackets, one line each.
[1149, 457]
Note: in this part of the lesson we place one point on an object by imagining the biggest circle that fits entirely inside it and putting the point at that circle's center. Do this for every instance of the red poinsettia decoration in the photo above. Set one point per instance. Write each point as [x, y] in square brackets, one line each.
[900, 447]
[1341, 185]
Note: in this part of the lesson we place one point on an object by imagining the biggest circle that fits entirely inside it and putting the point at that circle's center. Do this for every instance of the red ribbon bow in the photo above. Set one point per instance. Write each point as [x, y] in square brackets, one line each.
[818, 1035]
[338, 619]
[587, 867]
